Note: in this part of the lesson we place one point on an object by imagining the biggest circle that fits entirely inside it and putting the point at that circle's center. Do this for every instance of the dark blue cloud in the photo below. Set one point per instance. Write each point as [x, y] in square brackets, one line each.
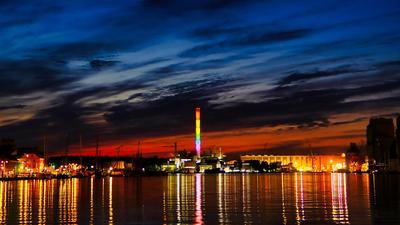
[12, 107]
[299, 76]
[30, 75]
[246, 40]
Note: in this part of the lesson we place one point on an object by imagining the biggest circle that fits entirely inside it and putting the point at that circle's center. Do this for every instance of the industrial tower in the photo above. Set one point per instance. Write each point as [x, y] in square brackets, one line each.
[198, 142]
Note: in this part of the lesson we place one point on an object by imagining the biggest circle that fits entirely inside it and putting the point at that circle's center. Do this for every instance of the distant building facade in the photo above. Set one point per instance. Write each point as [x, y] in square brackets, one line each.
[382, 146]
[30, 163]
[16, 161]
[356, 158]
[312, 163]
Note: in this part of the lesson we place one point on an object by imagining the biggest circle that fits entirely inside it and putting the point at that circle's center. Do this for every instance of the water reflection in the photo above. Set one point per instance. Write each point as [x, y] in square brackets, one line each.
[182, 199]
[25, 202]
[198, 213]
[299, 198]
[222, 198]
[340, 212]
[91, 213]
[385, 199]
[42, 202]
[284, 192]
[110, 202]
[3, 202]
[68, 202]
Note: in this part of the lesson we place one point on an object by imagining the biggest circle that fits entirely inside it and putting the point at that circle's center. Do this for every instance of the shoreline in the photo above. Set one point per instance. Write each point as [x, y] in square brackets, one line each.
[172, 174]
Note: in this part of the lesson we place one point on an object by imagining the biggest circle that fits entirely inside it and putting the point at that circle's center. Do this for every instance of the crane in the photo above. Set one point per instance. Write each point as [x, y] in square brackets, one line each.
[175, 145]
[118, 150]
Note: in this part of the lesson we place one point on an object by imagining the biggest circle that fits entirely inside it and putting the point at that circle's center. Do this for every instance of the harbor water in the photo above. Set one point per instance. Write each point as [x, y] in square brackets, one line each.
[292, 198]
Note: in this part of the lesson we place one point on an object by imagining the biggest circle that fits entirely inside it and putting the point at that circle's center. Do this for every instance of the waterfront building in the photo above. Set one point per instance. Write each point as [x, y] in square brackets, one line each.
[118, 164]
[19, 161]
[30, 163]
[189, 167]
[356, 159]
[176, 164]
[7, 167]
[381, 144]
[231, 166]
[311, 163]
[204, 167]
[168, 167]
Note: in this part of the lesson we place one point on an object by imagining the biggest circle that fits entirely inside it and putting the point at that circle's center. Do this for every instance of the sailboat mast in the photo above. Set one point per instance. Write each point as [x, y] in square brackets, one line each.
[45, 149]
[97, 152]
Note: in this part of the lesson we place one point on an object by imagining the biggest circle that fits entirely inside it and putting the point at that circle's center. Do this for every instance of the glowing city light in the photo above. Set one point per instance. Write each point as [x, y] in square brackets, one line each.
[198, 142]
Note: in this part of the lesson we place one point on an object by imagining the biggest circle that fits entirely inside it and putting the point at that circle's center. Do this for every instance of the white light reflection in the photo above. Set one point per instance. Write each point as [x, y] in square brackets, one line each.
[42, 202]
[340, 212]
[219, 195]
[284, 218]
[178, 198]
[246, 209]
[110, 202]
[91, 216]
[3, 202]
[198, 205]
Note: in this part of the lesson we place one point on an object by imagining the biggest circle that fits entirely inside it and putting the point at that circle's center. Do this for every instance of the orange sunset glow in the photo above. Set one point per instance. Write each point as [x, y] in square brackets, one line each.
[280, 139]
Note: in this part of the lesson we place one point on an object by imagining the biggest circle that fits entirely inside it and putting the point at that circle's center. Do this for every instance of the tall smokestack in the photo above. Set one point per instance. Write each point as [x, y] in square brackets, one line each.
[198, 142]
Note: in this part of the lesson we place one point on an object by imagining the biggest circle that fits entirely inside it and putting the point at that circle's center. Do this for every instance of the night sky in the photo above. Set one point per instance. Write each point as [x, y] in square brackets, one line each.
[287, 77]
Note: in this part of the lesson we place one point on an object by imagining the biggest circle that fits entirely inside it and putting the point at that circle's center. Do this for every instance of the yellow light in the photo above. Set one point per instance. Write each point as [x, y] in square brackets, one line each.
[331, 161]
[343, 155]
[198, 142]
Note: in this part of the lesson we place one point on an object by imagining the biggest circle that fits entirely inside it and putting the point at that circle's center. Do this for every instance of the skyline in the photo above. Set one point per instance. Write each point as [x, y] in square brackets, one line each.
[273, 75]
